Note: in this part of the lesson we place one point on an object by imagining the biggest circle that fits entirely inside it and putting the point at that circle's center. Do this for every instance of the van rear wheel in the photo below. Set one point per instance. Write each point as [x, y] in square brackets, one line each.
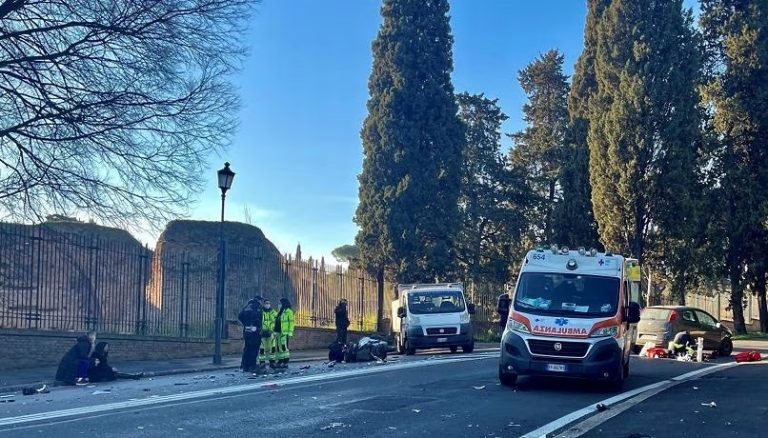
[454, 348]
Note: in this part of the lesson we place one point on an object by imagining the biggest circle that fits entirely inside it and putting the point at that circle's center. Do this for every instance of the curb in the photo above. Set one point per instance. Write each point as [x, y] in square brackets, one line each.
[173, 372]
[51, 384]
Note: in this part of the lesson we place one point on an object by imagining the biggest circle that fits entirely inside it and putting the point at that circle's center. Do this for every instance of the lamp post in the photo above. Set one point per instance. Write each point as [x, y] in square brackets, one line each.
[225, 182]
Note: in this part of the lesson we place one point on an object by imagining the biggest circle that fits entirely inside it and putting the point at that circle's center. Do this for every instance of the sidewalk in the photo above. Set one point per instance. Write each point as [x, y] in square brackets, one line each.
[15, 380]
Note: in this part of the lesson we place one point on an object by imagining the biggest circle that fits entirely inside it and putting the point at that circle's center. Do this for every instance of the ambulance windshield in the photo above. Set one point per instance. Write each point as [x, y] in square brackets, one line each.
[424, 302]
[567, 294]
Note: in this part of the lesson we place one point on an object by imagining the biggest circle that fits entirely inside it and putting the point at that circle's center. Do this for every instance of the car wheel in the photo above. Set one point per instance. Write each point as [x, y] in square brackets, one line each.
[410, 350]
[468, 348]
[454, 349]
[726, 347]
[507, 379]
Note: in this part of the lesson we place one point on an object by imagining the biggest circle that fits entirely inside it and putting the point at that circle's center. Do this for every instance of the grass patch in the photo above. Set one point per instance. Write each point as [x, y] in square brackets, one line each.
[754, 336]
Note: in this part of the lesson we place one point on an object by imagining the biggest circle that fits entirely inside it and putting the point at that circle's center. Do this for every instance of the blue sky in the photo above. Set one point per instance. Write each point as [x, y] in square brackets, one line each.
[297, 152]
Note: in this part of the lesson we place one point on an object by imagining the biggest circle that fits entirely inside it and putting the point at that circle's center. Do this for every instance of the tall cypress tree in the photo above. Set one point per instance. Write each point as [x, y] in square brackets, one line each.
[574, 221]
[538, 149]
[644, 125]
[412, 144]
[493, 198]
[736, 38]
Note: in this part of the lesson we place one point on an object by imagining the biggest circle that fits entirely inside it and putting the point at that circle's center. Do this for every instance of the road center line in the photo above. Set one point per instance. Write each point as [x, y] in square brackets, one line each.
[154, 400]
[560, 423]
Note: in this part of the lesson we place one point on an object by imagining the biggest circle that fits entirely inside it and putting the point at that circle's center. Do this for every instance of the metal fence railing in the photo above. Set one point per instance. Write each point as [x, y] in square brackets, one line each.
[68, 278]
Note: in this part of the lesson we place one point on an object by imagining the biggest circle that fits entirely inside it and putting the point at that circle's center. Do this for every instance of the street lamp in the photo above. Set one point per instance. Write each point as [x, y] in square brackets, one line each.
[225, 182]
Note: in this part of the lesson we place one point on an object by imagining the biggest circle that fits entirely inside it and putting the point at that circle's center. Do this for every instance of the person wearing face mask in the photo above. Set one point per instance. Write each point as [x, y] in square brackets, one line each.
[284, 325]
[268, 337]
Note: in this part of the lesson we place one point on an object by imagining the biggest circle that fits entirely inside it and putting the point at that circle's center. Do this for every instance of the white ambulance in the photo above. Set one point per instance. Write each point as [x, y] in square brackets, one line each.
[573, 314]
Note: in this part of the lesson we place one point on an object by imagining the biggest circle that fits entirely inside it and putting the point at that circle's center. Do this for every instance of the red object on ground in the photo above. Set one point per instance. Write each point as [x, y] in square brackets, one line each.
[657, 352]
[748, 356]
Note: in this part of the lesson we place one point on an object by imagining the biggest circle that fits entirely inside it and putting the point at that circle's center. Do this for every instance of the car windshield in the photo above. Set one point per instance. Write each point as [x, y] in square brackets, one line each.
[567, 294]
[420, 303]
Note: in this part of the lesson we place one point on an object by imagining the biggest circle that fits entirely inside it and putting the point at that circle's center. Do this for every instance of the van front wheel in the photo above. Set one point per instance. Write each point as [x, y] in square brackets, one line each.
[410, 350]
[468, 348]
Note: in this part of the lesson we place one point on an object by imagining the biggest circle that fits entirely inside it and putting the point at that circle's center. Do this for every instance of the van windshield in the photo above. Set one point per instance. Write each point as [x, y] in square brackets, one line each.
[567, 294]
[449, 301]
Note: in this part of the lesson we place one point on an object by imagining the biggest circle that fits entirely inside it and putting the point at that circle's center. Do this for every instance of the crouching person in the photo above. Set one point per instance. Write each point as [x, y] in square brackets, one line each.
[73, 367]
[284, 325]
[682, 344]
[100, 369]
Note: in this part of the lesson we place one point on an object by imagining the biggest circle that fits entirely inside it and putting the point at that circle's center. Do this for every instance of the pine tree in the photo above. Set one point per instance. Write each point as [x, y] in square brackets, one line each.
[574, 223]
[412, 145]
[644, 126]
[736, 39]
[538, 150]
[493, 198]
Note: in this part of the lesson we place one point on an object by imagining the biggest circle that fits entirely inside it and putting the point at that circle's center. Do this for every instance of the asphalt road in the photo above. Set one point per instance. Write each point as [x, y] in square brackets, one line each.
[730, 403]
[453, 395]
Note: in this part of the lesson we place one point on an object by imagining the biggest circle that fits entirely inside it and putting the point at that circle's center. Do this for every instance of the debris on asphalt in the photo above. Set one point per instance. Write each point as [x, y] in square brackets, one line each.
[710, 404]
[146, 390]
[29, 390]
[271, 385]
[392, 428]
[305, 367]
[479, 387]
[332, 426]
[601, 407]
[140, 427]
[695, 388]
[513, 424]
[101, 391]
[181, 383]
[314, 398]
[416, 410]
[331, 364]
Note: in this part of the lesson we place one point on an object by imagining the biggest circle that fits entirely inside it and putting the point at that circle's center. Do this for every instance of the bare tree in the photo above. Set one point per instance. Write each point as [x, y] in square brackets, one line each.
[112, 107]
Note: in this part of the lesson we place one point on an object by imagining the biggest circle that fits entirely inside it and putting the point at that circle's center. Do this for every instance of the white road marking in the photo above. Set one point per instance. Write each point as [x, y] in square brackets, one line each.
[154, 400]
[560, 423]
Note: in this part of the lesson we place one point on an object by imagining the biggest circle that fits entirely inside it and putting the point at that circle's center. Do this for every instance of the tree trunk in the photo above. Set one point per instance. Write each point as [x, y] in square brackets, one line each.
[380, 296]
[737, 299]
[761, 301]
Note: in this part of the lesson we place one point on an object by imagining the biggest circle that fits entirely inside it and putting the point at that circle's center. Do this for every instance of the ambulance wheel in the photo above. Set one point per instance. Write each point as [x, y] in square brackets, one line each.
[507, 379]
[454, 348]
[410, 350]
[468, 348]
[617, 384]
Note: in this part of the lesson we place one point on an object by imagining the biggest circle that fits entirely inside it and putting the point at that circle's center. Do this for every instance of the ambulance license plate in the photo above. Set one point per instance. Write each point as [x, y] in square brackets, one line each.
[442, 339]
[556, 367]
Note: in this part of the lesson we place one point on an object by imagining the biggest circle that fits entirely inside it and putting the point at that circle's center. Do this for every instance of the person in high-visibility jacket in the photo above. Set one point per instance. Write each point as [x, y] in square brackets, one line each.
[268, 336]
[284, 325]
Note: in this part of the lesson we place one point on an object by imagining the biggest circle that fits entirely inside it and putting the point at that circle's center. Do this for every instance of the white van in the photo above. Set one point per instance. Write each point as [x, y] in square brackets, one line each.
[574, 314]
[432, 315]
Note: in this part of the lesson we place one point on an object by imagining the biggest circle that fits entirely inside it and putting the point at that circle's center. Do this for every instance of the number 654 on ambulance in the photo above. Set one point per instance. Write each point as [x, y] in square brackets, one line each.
[574, 314]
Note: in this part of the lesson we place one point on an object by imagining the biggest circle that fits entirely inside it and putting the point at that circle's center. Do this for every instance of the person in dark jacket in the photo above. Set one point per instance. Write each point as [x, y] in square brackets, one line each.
[342, 321]
[251, 317]
[100, 369]
[73, 367]
[503, 310]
